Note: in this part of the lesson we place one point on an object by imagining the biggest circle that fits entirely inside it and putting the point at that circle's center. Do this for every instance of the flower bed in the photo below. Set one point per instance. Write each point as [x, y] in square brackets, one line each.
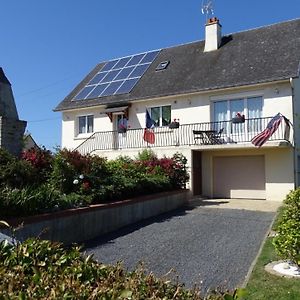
[40, 182]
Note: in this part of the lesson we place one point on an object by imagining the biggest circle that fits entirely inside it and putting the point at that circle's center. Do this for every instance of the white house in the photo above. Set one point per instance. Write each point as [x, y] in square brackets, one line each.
[206, 85]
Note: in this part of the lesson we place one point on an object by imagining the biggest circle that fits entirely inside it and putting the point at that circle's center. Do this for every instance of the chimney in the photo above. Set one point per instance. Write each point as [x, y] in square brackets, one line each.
[212, 34]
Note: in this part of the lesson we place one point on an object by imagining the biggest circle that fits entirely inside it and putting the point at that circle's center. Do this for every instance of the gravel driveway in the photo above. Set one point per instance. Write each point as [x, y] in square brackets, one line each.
[207, 246]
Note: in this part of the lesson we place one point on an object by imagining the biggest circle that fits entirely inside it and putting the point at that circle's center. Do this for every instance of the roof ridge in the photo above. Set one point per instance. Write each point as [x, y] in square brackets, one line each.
[265, 26]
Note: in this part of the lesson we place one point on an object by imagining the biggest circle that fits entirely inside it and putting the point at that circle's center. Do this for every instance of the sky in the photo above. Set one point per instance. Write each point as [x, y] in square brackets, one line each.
[48, 47]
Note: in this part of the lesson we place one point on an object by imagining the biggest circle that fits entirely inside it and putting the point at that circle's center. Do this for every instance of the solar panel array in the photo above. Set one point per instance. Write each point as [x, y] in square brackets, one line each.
[117, 76]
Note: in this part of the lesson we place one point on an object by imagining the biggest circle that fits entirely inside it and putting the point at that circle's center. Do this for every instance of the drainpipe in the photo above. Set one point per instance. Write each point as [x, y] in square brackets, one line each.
[294, 136]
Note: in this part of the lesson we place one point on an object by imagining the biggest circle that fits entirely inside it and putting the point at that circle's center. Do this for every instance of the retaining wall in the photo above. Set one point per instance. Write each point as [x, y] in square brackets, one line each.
[79, 225]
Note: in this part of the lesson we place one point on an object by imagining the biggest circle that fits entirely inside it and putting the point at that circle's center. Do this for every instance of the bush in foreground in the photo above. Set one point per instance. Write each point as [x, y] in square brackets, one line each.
[287, 241]
[37, 269]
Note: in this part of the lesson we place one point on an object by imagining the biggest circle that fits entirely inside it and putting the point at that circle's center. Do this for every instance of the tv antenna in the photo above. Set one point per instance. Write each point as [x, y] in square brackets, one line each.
[207, 8]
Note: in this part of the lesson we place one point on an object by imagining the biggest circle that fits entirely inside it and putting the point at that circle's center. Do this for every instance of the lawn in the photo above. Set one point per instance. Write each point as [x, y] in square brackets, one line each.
[263, 285]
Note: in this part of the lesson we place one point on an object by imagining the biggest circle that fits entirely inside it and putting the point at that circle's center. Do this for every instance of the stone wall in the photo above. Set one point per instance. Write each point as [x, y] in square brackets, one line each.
[11, 128]
[11, 134]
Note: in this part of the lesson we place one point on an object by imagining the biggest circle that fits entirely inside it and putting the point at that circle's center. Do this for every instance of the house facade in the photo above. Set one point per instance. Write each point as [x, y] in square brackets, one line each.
[207, 100]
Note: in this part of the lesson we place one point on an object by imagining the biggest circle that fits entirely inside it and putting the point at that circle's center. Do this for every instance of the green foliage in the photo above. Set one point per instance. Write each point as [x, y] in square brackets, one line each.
[38, 269]
[146, 155]
[27, 200]
[263, 285]
[287, 241]
[42, 182]
[17, 174]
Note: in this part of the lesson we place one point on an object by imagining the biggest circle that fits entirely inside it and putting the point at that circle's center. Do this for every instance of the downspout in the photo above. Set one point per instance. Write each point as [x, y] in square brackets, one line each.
[294, 135]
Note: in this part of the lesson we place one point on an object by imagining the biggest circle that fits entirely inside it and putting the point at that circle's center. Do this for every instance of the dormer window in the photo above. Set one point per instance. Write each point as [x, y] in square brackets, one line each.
[163, 65]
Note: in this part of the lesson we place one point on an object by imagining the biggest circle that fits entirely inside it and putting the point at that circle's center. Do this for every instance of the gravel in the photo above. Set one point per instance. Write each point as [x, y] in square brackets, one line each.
[209, 247]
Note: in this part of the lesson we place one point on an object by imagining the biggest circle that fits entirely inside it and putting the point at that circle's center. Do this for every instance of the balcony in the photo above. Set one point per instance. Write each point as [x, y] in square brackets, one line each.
[210, 134]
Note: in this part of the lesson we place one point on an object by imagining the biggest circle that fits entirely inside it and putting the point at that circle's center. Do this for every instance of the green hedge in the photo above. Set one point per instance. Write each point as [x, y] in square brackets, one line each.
[37, 269]
[287, 240]
[41, 182]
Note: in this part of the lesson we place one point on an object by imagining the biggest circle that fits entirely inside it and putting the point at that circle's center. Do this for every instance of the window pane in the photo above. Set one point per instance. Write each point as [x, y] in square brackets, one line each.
[81, 122]
[166, 115]
[255, 112]
[90, 124]
[220, 115]
[254, 107]
[155, 115]
[236, 106]
[220, 111]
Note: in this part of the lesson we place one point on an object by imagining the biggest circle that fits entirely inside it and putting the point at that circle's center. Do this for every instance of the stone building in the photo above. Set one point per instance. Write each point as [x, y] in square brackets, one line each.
[11, 128]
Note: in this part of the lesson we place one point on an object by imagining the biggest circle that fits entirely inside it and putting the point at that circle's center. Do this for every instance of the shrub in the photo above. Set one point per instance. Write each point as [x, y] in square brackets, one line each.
[41, 159]
[67, 167]
[146, 155]
[5, 157]
[17, 174]
[38, 269]
[28, 200]
[287, 241]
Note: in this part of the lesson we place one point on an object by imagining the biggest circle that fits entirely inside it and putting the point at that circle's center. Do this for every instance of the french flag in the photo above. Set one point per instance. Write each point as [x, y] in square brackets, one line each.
[149, 135]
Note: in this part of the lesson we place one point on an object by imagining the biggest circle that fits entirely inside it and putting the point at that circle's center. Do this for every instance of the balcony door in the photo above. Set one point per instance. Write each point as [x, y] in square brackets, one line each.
[119, 130]
[225, 110]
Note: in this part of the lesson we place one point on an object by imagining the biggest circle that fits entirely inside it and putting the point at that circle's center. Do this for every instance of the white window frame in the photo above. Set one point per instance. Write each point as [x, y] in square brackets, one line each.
[237, 129]
[160, 113]
[86, 132]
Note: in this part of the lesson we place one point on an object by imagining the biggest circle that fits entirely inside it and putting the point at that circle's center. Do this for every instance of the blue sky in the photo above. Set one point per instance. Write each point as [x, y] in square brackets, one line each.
[47, 47]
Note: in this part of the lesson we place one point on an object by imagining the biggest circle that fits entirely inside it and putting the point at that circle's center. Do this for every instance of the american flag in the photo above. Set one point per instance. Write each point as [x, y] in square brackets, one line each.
[272, 126]
[149, 136]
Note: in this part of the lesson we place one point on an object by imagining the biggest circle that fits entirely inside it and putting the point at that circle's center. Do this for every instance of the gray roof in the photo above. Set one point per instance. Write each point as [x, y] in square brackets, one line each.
[3, 78]
[261, 55]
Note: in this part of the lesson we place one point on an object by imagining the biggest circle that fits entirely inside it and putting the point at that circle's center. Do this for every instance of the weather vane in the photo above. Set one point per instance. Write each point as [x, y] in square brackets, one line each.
[207, 8]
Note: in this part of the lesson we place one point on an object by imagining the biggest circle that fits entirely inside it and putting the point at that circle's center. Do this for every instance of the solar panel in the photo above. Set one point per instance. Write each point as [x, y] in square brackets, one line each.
[117, 76]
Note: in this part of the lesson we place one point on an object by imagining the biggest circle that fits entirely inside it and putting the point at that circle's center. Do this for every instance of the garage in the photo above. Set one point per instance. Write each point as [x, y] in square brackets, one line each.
[239, 177]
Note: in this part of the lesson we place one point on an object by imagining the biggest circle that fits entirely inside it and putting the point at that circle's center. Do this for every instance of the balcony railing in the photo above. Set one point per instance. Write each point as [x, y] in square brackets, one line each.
[210, 133]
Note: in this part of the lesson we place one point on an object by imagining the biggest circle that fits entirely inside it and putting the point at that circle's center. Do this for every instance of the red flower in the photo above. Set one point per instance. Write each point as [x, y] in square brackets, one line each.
[86, 185]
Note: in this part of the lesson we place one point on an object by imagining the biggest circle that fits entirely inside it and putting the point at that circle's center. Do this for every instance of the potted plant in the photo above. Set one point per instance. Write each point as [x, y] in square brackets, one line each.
[174, 124]
[122, 129]
[239, 118]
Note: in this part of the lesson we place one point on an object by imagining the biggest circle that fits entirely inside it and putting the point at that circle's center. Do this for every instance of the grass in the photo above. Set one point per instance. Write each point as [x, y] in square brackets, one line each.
[264, 286]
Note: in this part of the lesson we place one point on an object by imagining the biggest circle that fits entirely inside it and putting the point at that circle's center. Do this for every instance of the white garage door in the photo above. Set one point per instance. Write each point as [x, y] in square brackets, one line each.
[239, 177]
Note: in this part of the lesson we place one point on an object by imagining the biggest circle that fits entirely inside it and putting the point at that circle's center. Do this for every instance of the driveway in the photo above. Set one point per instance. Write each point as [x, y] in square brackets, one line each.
[208, 243]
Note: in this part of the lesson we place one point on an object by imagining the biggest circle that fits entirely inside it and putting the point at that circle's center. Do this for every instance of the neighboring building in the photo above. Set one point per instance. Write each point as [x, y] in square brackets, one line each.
[29, 142]
[205, 85]
[11, 128]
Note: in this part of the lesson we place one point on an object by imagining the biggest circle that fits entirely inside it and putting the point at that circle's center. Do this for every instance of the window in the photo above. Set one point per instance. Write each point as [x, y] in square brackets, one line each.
[162, 66]
[161, 115]
[85, 124]
[250, 107]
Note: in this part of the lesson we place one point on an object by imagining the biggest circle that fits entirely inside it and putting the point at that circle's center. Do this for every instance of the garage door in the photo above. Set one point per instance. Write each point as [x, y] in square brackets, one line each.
[239, 177]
